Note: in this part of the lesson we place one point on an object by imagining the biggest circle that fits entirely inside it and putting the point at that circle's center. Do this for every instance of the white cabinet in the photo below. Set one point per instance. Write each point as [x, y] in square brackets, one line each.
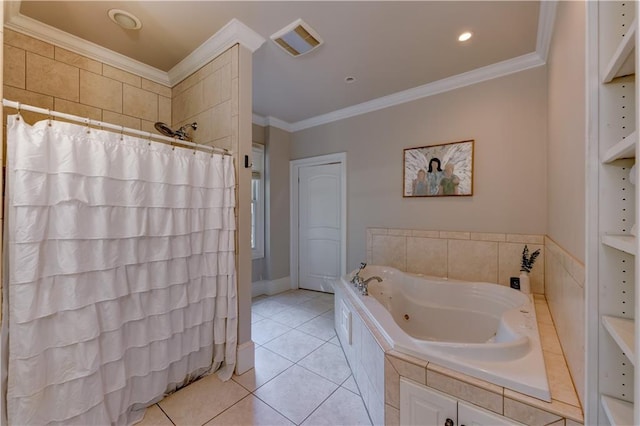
[612, 210]
[470, 415]
[422, 406]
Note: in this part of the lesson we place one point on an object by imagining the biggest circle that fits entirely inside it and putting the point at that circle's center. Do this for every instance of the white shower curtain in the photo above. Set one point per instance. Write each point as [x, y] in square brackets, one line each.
[121, 280]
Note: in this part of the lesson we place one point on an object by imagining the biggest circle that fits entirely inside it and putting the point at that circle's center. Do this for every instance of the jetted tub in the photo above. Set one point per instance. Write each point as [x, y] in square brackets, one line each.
[485, 330]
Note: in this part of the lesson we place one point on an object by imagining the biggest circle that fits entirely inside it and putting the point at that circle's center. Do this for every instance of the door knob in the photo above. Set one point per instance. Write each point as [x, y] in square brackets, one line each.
[448, 422]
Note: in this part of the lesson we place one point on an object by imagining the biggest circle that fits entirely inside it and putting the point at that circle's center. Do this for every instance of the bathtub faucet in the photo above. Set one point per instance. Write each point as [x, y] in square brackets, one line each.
[364, 289]
[357, 279]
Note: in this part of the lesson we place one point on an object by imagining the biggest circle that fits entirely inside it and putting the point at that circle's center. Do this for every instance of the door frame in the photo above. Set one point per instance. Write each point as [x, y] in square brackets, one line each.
[294, 173]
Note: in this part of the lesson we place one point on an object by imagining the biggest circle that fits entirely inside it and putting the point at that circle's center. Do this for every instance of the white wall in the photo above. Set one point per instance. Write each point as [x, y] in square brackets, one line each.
[507, 119]
[564, 278]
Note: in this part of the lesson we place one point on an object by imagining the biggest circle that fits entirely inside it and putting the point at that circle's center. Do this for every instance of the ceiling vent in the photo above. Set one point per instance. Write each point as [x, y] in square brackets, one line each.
[297, 38]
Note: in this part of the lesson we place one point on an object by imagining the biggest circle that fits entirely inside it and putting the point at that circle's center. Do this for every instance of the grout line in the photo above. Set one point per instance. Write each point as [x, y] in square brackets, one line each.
[164, 412]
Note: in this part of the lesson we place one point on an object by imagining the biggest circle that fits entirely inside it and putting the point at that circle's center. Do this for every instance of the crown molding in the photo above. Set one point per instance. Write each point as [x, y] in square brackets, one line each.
[271, 121]
[489, 72]
[15, 21]
[546, 20]
[233, 32]
[259, 120]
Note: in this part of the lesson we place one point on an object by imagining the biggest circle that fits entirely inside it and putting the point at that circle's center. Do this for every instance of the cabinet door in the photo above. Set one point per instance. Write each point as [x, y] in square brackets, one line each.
[422, 406]
[468, 415]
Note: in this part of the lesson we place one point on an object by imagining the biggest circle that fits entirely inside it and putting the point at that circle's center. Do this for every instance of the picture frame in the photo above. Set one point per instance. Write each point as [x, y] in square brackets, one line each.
[444, 170]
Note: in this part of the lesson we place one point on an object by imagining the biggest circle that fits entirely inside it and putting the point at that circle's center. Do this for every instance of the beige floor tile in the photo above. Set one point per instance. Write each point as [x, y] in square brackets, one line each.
[249, 412]
[341, 408]
[256, 317]
[320, 327]
[293, 317]
[296, 393]
[267, 330]
[267, 366]
[201, 401]
[294, 345]
[329, 362]
[329, 314]
[292, 298]
[154, 416]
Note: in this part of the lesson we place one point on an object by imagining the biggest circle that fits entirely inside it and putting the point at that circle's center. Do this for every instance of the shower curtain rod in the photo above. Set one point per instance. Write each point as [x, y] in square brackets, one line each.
[122, 129]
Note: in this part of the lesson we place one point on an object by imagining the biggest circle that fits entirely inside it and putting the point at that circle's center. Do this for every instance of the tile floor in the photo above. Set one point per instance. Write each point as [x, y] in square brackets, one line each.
[301, 375]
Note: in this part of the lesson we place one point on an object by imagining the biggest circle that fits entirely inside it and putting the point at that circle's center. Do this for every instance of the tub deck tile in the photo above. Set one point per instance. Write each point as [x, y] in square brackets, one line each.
[476, 395]
[417, 373]
[482, 384]
[560, 408]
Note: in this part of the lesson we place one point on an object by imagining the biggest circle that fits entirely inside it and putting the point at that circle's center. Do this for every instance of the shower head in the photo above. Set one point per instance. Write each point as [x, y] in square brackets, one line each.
[164, 129]
[181, 133]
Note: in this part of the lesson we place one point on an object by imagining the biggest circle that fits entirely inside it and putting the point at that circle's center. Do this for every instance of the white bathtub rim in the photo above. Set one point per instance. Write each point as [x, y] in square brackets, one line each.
[526, 375]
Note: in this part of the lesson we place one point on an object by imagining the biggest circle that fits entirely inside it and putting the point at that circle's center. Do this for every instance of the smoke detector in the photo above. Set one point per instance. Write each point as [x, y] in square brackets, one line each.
[297, 38]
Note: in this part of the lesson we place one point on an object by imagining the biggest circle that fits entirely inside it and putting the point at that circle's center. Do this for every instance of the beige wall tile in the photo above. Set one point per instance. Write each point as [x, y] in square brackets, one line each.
[401, 232]
[409, 370]
[455, 235]
[391, 384]
[235, 63]
[481, 397]
[139, 103]
[235, 87]
[122, 76]
[53, 78]
[221, 121]
[164, 109]
[465, 378]
[223, 60]
[30, 98]
[525, 238]
[378, 231]
[391, 416]
[425, 234]
[558, 423]
[527, 414]
[78, 109]
[390, 251]
[192, 80]
[543, 316]
[473, 260]
[217, 87]
[559, 379]
[485, 236]
[427, 256]
[147, 126]
[121, 120]
[188, 103]
[509, 259]
[64, 55]
[570, 422]
[14, 66]
[29, 44]
[157, 88]
[555, 407]
[101, 92]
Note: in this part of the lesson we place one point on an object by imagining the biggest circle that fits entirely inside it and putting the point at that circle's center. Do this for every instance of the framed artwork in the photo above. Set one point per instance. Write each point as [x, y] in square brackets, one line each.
[439, 170]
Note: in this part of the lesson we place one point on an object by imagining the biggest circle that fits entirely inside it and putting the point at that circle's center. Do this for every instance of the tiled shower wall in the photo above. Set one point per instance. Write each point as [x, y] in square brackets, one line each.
[469, 256]
[564, 277]
[47, 76]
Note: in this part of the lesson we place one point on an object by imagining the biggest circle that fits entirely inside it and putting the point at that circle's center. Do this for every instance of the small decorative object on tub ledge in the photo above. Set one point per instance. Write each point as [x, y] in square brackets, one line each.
[525, 268]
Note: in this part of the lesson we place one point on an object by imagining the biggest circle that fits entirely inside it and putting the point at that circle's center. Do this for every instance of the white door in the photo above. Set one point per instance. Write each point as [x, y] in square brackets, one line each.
[425, 407]
[319, 226]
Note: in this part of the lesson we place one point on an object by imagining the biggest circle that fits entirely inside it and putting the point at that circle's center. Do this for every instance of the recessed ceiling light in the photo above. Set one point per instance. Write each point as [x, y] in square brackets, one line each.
[125, 19]
[464, 36]
[349, 79]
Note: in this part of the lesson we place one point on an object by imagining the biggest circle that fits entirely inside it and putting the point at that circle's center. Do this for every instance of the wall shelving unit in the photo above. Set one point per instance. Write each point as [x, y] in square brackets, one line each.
[611, 296]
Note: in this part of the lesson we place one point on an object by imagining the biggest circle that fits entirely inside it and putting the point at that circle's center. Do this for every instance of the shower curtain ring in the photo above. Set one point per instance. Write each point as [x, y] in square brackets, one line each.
[121, 133]
[18, 107]
[88, 122]
[49, 113]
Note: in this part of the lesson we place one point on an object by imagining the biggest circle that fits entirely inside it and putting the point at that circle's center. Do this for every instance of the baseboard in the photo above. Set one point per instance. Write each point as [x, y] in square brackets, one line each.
[270, 287]
[245, 357]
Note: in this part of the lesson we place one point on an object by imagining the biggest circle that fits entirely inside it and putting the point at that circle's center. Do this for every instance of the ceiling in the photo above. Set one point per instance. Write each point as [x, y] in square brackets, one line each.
[388, 47]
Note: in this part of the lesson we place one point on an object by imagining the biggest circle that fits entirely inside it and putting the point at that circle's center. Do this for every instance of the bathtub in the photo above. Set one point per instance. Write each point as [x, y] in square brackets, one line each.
[485, 330]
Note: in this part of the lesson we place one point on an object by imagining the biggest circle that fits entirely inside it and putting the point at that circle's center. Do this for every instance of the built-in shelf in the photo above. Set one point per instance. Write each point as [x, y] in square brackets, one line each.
[619, 413]
[625, 243]
[625, 148]
[623, 61]
[621, 329]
